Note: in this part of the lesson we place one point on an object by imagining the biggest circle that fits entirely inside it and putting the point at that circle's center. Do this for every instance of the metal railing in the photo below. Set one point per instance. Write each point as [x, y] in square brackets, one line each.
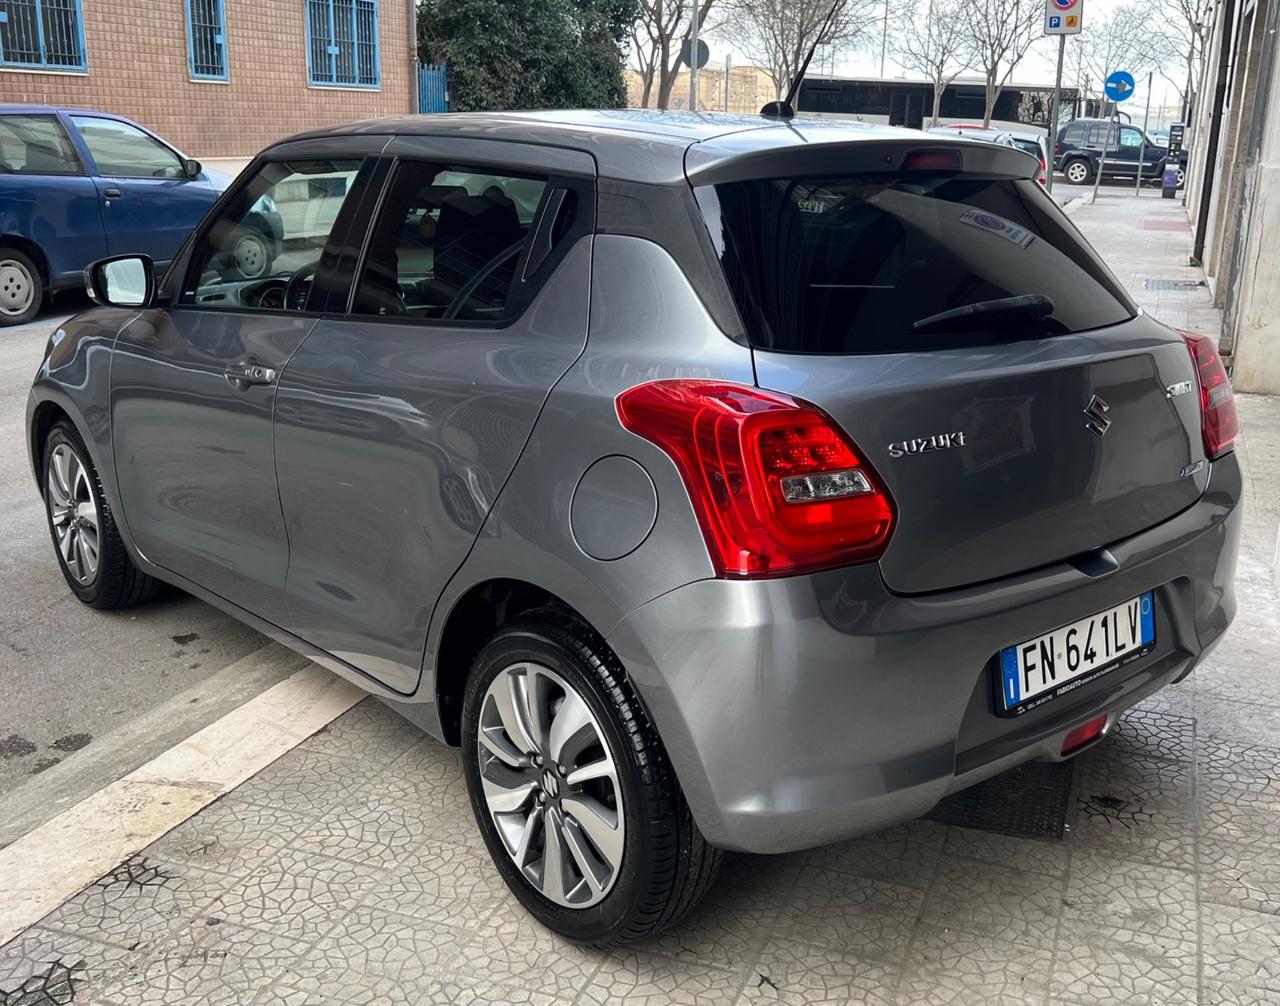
[206, 39]
[47, 34]
[342, 43]
[433, 87]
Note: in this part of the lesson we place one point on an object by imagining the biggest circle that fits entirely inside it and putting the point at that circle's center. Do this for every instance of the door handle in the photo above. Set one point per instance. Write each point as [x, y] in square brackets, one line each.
[246, 373]
[112, 192]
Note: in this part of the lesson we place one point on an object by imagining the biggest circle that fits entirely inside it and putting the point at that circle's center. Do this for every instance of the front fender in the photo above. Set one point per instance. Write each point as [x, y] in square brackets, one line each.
[74, 379]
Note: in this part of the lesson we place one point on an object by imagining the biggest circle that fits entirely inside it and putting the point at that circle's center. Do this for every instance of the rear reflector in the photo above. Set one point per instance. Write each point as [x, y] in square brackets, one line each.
[932, 160]
[1219, 420]
[1081, 736]
[777, 487]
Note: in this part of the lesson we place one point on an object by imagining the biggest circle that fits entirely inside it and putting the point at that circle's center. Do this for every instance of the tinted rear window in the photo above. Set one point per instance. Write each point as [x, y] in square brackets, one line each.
[1074, 134]
[849, 264]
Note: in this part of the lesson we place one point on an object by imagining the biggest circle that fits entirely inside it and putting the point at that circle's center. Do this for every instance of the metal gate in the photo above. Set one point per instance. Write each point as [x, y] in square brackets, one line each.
[433, 87]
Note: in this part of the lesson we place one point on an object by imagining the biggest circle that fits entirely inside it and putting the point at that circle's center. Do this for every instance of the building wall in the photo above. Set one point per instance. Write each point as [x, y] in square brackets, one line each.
[137, 56]
[1253, 311]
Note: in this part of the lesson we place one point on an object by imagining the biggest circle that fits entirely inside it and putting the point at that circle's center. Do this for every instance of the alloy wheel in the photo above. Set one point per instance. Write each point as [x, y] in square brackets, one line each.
[17, 287]
[1076, 173]
[550, 784]
[73, 513]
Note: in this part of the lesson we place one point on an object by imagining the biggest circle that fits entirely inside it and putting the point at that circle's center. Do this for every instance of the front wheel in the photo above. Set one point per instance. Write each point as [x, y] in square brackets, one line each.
[572, 789]
[90, 552]
[1078, 172]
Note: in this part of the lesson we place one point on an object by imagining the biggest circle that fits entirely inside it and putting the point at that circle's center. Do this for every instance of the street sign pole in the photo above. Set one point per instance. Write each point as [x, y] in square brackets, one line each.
[693, 68]
[1061, 18]
[1118, 87]
[728, 66]
[1054, 113]
[1142, 150]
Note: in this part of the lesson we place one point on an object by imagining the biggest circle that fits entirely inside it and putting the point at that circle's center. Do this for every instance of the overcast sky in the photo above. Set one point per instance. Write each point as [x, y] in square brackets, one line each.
[1037, 68]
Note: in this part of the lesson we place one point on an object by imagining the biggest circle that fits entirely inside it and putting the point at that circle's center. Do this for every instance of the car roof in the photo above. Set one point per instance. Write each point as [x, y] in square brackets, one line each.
[15, 109]
[633, 143]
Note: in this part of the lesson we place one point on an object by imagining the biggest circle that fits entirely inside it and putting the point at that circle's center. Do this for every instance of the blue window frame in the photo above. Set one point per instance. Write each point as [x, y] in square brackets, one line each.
[342, 43]
[42, 34]
[206, 39]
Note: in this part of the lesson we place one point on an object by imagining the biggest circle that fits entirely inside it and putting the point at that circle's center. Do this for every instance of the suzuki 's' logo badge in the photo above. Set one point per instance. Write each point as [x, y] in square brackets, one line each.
[1098, 423]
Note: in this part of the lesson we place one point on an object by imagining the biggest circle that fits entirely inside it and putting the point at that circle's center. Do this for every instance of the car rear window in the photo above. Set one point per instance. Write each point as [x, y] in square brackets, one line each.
[848, 264]
[1074, 134]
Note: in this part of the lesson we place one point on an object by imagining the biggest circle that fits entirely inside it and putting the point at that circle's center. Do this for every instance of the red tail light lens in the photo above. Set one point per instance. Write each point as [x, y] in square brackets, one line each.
[932, 160]
[777, 486]
[1057, 148]
[1082, 735]
[1219, 420]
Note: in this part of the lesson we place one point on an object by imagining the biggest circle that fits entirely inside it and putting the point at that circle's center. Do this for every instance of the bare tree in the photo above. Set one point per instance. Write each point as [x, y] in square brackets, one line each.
[1122, 42]
[998, 34]
[778, 33]
[932, 42]
[1182, 35]
[656, 39]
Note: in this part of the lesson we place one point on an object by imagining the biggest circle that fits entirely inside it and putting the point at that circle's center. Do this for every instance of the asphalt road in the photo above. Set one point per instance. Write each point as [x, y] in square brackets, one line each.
[77, 684]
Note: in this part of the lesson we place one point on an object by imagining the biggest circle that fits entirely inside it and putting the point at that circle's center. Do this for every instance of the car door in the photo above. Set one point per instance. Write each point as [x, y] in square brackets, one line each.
[1128, 150]
[46, 196]
[149, 204]
[397, 425]
[193, 387]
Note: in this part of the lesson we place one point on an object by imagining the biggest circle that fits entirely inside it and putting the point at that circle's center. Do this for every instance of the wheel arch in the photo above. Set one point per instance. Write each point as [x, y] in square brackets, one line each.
[32, 250]
[43, 418]
[482, 610]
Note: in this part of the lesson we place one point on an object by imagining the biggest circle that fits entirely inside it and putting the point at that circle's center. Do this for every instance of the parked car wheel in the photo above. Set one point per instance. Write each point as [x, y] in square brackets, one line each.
[251, 255]
[1182, 175]
[572, 789]
[92, 556]
[1078, 172]
[21, 288]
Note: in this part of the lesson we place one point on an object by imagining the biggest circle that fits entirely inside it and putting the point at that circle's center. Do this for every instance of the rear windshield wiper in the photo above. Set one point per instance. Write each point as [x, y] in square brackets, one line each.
[1033, 305]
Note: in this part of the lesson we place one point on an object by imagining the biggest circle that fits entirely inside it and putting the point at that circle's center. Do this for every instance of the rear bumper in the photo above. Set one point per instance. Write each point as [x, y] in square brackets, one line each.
[802, 711]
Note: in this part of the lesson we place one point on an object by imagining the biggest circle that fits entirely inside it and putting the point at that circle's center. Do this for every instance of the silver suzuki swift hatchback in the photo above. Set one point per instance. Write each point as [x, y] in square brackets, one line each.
[715, 483]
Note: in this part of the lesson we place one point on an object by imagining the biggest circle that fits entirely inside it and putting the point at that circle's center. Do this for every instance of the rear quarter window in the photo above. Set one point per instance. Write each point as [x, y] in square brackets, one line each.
[1073, 135]
[848, 264]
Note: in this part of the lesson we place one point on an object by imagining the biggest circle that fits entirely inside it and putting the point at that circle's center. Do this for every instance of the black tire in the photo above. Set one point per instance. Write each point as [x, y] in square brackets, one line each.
[1083, 171]
[667, 866]
[117, 582]
[20, 282]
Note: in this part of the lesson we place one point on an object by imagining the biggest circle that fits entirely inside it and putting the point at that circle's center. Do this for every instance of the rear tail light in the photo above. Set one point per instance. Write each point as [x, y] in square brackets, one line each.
[1082, 735]
[1219, 421]
[1042, 171]
[777, 486]
[1057, 148]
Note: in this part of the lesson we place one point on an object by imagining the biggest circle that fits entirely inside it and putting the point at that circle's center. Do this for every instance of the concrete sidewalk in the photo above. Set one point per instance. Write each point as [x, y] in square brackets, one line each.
[351, 871]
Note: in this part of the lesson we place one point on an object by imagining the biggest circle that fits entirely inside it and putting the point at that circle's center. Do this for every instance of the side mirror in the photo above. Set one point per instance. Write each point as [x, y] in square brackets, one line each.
[192, 168]
[122, 281]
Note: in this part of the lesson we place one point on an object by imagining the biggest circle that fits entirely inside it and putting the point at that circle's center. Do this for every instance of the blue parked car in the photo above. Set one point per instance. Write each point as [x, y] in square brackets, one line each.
[76, 185]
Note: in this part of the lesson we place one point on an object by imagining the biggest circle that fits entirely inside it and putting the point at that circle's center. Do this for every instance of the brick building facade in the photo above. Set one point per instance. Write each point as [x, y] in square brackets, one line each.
[285, 65]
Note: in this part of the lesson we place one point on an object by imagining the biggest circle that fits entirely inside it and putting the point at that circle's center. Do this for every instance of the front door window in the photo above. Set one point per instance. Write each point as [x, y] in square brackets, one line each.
[263, 250]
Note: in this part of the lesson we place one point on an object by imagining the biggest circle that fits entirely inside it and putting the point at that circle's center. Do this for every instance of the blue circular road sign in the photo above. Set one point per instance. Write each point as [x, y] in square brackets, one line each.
[1120, 86]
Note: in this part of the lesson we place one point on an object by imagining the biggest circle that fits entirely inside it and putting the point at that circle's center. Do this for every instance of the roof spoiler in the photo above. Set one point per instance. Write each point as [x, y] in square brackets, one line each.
[708, 163]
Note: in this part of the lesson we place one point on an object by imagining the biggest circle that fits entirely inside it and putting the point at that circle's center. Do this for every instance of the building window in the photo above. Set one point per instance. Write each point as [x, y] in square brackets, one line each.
[206, 39]
[42, 34]
[342, 43]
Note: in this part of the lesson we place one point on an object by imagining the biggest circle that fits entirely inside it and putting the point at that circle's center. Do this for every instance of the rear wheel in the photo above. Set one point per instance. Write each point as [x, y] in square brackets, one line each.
[572, 789]
[21, 288]
[90, 551]
[1078, 172]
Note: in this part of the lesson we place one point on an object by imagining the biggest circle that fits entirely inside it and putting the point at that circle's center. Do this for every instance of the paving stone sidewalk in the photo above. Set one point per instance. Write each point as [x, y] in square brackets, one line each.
[350, 871]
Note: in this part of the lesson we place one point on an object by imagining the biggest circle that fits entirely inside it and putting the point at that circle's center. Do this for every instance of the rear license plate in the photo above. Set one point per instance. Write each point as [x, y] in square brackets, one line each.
[1060, 661]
